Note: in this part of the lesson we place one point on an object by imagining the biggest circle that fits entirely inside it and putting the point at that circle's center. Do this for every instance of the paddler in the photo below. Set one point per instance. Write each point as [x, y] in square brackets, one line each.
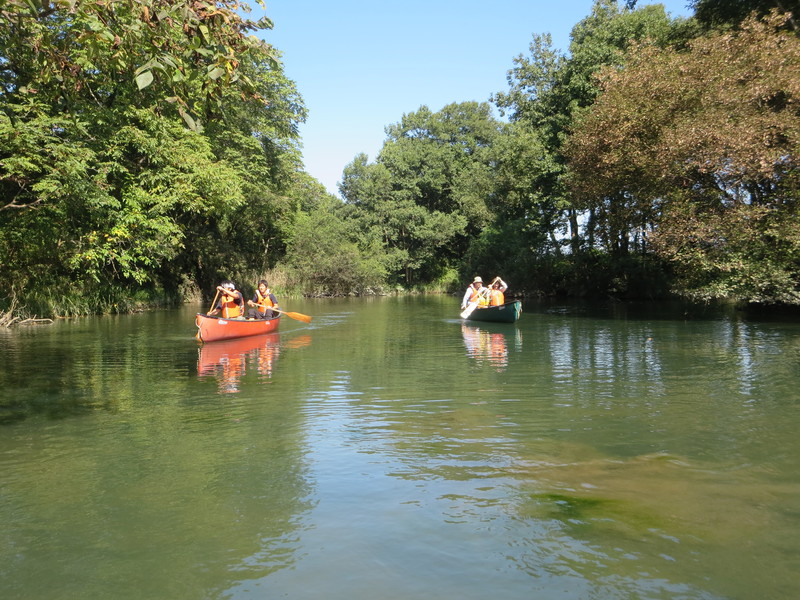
[231, 301]
[476, 292]
[496, 292]
[262, 303]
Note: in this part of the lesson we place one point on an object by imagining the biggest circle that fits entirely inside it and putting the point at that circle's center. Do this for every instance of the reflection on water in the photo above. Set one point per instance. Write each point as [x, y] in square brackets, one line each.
[490, 345]
[403, 455]
[227, 360]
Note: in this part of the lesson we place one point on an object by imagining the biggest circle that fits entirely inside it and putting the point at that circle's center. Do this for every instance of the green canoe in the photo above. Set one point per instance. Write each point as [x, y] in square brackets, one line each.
[505, 313]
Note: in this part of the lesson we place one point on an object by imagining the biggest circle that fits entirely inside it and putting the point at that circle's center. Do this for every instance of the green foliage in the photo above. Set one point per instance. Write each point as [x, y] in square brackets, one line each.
[505, 248]
[426, 194]
[722, 14]
[744, 253]
[325, 259]
[699, 149]
[110, 212]
[373, 212]
[528, 187]
[142, 143]
[151, 147]
[548, 90]
[178, 56]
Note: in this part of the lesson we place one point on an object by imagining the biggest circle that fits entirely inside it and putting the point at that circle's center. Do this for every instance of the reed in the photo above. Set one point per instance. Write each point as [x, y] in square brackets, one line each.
[68, 299]
[280, 282]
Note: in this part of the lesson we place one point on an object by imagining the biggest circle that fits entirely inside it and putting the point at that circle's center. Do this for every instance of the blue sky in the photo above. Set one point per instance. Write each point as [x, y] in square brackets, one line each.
[361, 64]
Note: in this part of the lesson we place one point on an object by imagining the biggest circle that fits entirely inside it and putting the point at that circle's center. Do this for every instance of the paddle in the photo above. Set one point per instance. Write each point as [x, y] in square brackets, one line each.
[214, 302]
[197, 335]
[473, 305]
[292, 315]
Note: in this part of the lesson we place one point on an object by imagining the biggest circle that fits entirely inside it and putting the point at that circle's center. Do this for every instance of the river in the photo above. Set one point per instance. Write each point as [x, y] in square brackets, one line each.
[389, 451]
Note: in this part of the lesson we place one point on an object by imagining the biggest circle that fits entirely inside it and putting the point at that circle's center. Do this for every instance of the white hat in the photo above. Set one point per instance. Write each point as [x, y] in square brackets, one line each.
[477, 280]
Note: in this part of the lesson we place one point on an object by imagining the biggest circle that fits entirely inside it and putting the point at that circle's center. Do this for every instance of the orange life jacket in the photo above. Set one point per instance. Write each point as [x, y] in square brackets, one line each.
[496, 298]
[479, 296]
[230, 309]
[264, 300]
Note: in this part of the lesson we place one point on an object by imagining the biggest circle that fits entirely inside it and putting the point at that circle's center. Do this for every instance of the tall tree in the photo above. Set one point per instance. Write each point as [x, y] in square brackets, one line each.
[328, 255]
[131, 132]
[529, 162]
[548, 89]
[704, 144]
[426, 194]
[714, 14]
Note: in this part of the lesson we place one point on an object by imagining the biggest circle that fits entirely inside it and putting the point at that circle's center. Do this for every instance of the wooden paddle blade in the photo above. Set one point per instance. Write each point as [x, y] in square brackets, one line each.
[298, 316]
[468, 311]
[292, 315]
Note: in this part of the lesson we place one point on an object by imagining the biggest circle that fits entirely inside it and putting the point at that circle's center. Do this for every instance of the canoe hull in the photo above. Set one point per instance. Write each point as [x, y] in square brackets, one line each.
[505, 313]
[211, 329]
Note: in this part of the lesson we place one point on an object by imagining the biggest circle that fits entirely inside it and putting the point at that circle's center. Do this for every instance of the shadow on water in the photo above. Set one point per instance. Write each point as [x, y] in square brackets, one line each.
[662, 310]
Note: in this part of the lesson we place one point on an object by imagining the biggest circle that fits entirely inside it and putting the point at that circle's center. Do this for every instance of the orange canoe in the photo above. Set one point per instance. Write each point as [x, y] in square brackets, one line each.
[210, 329]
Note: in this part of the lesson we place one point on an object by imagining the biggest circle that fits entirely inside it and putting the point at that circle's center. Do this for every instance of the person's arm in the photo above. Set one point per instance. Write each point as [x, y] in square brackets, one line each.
[274, 300]
[503, 285]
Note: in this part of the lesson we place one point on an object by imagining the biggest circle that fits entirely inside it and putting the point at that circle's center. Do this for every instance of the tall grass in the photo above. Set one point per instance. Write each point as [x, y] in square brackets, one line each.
[279, 280]
[69, 299]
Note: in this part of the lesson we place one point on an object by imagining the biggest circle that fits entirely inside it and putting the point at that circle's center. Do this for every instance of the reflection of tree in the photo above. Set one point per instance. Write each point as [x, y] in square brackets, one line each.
[153, 491]
[227, 360]
[483, 345]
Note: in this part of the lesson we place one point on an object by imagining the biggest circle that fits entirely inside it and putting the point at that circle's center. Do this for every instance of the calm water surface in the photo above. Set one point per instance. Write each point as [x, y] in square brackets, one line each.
[388, 451]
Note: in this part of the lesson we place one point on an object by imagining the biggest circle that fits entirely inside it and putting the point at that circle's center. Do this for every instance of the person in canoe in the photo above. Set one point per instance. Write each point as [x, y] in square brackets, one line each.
[231, 301]
[476, 292]
[496, 292]
[262, 303]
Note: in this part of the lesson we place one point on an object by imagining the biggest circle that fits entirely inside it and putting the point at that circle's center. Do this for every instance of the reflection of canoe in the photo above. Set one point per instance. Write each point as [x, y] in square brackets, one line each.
[229, 360]
[210, 329]
[505, 313]
[222, 352]
[485, 345]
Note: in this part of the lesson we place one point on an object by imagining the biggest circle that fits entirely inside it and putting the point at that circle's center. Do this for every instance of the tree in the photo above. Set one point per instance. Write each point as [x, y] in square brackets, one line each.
[132, 134]
[703, 145]
[441, 159]
[425, 197]
[179, 56]
[327, 256]
[548, 89]
[715, 14]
